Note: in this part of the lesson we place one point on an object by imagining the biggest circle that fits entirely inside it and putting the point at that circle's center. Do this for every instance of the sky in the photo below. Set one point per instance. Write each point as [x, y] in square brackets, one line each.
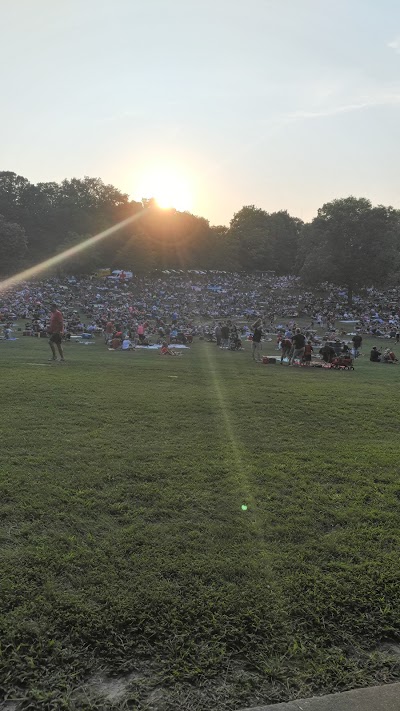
[284, 104]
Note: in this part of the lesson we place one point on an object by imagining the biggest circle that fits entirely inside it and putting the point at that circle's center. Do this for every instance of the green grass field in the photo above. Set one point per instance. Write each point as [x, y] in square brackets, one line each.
[131, 577]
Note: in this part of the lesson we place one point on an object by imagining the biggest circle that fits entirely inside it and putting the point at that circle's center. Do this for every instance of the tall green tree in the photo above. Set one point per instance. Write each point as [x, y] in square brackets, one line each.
[84, 261]
[351, 243]
[13, 188]
[50, 212]
[250, 229]
[224, 251]
[284, 233]
[13, 246]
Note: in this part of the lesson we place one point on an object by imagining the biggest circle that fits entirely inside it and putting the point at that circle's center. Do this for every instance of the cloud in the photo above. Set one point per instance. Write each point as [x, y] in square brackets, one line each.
[390, 99]
[395, 44]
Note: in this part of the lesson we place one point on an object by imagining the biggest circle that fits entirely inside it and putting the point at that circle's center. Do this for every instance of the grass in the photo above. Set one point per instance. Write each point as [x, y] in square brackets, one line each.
[125, 552]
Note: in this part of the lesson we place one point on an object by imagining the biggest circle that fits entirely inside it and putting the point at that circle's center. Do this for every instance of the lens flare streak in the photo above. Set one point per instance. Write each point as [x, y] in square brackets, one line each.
[32, 272]
[239, 466]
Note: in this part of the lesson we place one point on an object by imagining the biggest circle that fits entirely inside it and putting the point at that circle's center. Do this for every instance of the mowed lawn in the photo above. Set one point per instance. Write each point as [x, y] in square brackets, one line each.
[131, 577]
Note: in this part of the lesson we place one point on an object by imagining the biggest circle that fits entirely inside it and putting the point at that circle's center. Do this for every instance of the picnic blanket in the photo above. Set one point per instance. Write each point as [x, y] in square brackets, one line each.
[155, 347]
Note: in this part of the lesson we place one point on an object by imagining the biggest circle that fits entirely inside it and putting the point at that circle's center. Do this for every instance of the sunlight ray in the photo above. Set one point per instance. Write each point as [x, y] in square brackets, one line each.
[248, 504]
[32, 272]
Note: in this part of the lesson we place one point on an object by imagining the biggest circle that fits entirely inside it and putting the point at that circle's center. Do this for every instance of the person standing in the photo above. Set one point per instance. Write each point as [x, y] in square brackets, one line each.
[218, 333]
[286, 347]
[256, 344]
[56, 330]
[357, 341]
[299, 343]
[225, 336]
[108, 331]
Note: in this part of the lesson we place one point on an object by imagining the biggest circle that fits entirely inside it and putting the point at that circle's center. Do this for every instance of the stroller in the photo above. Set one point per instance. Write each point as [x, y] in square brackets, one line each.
[342, 362]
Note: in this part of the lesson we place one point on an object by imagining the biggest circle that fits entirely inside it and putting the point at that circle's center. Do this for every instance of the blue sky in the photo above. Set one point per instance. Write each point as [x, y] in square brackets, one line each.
[285, 104]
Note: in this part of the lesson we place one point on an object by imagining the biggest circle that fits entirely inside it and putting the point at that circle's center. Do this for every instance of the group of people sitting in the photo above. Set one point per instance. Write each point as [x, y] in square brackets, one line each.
[376, 356]
[117, 336]
[7, 331]
[297, 348]
[227, 336]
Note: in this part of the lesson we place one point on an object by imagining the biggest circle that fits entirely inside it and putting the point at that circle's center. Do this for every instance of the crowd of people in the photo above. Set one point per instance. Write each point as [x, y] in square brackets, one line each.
[226, 308]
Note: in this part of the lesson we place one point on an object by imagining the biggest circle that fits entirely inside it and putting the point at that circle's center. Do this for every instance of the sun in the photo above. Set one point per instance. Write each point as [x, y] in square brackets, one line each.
[168, 188]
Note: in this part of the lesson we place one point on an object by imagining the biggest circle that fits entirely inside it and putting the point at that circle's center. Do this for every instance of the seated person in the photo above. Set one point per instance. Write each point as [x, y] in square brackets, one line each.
[327, 353]
[375, 355]
[116, 343]
[337, 347]
[127, 344]
[389, 356]
[345, 348]
[167, 351]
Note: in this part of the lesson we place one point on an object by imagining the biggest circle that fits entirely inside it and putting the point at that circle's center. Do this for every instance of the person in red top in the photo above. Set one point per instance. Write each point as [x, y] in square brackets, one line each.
[56, 330]
[166, 351]
[308, 351]
[108, 331]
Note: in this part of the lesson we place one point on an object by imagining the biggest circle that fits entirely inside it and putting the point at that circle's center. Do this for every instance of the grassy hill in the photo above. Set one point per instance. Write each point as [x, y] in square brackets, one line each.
[134, 576]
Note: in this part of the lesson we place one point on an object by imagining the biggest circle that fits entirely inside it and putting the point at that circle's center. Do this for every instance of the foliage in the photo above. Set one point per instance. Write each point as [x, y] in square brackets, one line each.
[13, 245]
[83, 262]
[124, 546]
[250, 229]
[351, 243]
[284, 231]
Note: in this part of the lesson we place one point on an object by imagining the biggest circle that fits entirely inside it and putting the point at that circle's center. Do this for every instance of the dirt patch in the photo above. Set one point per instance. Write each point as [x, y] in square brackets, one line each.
[390, 647]
[113, 688]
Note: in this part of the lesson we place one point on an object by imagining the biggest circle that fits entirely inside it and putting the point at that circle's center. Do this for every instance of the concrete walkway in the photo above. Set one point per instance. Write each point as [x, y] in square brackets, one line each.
[376, 698]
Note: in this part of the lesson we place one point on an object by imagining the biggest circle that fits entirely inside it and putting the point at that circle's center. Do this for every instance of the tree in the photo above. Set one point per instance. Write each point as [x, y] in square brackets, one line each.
[224, 250]
[250, 228]
[51, 212]
[284, 234]
[12, 189]
[136, 253]
[13, 246]
[350, 243]
[84, 261]
[179, 240]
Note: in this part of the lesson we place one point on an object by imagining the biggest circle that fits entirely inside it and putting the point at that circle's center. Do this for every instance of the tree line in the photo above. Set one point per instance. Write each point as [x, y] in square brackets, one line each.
[350, 242]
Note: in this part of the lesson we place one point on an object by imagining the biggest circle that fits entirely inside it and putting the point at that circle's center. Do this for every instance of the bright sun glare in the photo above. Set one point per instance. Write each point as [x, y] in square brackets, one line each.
[168, 188]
